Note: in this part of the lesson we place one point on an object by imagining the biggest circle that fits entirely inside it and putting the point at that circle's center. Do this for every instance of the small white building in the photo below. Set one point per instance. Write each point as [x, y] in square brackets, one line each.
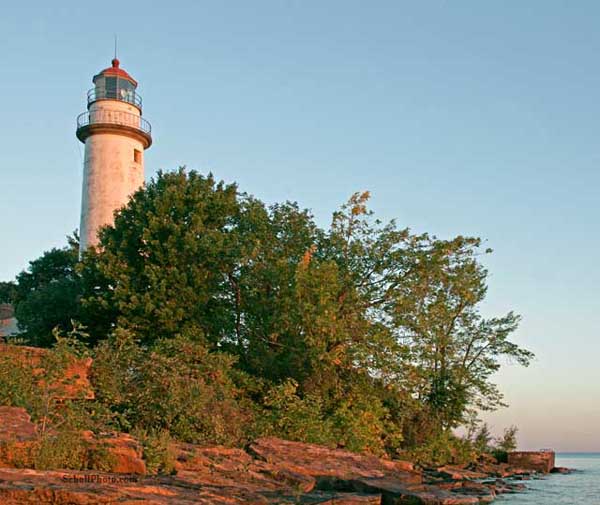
[8, 322]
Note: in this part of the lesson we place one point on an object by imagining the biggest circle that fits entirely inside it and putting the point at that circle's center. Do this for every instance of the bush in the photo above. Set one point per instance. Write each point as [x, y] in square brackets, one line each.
[158, 452]
[289, 416]
[500, 455]
[443, 449]
[176, 385]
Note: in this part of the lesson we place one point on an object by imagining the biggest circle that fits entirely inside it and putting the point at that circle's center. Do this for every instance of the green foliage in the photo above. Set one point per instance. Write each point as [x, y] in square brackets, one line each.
[357, 422]
[362, 308]
[213, 317]
[361, 424]
[508, 441]
[7, 292]
[17, 389]
[505, 444]
[46, 296]
[174, 385]
[443, 449]
[289, 416]
[64, 450]
[158, 452]
[482, 439]
[38, 383]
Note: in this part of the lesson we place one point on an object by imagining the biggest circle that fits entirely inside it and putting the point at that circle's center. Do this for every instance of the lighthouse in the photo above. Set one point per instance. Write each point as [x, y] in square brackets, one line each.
[115, 136]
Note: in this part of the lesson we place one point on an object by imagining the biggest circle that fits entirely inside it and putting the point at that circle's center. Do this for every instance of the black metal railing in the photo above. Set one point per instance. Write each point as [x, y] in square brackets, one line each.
[113, 117]
[121, 94]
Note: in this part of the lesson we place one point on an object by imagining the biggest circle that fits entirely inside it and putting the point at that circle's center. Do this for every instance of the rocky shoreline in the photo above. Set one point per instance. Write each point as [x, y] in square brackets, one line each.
[268, 471]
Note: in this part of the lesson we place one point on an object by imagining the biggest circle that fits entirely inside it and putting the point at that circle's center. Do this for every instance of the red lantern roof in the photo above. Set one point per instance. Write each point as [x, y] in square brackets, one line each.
[115, 71]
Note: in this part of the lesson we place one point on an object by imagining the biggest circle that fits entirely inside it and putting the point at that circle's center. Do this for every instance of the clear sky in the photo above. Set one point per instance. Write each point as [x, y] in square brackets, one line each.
[461, 117]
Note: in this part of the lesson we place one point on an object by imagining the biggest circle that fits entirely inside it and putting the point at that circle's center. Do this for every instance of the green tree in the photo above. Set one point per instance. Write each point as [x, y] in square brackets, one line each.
[7, 292]
[454, 349]
[46, 295]
[363, 310]
[163, 266]
[483, 439]
[189, 255]
[508, 441]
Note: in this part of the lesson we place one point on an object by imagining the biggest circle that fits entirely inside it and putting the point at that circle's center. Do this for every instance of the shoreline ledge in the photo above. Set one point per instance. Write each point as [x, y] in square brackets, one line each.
[268, 471]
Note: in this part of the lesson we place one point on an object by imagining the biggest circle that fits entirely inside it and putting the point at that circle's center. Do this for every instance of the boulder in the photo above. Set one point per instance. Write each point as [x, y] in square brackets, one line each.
[17, 436]
[124, 452]
[562, 470]
[16, 425]
[344, 471]
[539, 461]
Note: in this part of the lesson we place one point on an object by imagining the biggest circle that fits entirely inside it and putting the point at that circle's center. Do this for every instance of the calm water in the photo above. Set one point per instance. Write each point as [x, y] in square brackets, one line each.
[579, 488]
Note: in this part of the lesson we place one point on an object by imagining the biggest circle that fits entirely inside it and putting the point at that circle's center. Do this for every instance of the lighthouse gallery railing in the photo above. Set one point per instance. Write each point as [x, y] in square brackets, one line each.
[121, 94]
[113, 117]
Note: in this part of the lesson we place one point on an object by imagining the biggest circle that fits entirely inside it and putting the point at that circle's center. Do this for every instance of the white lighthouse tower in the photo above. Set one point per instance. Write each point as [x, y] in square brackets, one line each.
[115, 136]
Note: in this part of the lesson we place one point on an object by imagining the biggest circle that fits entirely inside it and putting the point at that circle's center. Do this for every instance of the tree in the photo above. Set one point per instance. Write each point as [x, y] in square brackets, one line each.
[46, 295]
[7, 292]
[369, 329]
[454, 349]
[508, 441]
[483, 438]
[420, 297]
[191, 254]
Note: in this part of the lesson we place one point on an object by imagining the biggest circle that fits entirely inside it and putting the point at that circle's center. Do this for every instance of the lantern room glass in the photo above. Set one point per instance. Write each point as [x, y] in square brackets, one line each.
[115, 88]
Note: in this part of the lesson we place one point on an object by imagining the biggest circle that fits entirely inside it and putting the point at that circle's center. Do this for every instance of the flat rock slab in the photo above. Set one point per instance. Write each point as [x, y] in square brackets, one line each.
[325, 498]
[323, 462]
[31, 487]
[394, 492]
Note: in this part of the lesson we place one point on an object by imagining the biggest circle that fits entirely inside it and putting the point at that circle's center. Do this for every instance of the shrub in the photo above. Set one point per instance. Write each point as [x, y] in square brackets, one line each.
[176, 385]
[289, 416]
[445, 448]
[158, 451]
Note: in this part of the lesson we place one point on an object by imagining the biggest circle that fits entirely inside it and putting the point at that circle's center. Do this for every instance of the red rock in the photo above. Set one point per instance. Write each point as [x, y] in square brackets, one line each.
[341, 470]
[15, 424]
[282, 473]
[458, 473]
[322, 462]
[539, 461]
[74, 385]
[17, 436]
[125, 451]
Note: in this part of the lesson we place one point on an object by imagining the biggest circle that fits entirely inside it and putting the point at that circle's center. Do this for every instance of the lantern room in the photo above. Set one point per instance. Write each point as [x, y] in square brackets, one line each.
[114, 83]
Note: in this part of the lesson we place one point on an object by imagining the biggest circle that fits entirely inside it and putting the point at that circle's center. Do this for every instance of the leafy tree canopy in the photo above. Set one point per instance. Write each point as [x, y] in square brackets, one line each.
[363, 328]
[46, 295]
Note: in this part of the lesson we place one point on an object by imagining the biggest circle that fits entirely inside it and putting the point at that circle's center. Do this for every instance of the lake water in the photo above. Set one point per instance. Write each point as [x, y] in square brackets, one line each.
[579, 488]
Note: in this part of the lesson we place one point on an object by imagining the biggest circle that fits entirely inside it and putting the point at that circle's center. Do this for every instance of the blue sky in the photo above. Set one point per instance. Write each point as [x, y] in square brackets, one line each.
[461, 117]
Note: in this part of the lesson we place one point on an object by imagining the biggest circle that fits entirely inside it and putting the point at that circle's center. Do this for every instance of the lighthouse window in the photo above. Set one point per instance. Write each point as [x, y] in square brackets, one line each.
[137, 156]
[111, 87]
